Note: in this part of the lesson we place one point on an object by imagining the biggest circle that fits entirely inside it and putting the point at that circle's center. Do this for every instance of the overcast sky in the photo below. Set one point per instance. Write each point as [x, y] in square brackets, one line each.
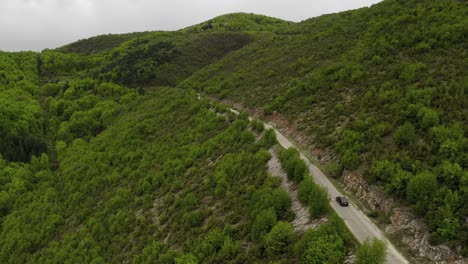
[39, 24]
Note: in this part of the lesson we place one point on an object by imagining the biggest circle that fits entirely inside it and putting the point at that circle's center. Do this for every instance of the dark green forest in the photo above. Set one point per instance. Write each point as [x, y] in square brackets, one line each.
[109, 154]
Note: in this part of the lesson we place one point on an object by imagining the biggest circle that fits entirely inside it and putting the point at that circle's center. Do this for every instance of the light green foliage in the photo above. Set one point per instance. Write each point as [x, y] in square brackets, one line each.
[383, 87]
[144, 169]
[314, 197]
[279, 240]
[276, 199]
[334, 169]
[428, 118]
[405, 134]
[263, 222]
[21, 118]
[295, 167]
[186, 259]
[421, 189]
[257, 125]
[350, 146]
[239, 22]
[86, 108]
[371, 252]
[322, 245]
[394, 178]
[56, 63]
[422, 186]
[269, 138]
[375, 84]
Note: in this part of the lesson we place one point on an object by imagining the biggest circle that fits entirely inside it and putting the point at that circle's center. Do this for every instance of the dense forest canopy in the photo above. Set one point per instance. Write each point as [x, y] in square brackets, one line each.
[108, 153]
[21, 117]
[128, 176]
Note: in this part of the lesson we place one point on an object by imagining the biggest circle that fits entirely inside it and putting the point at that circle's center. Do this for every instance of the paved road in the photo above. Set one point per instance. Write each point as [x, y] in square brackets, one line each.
[358, 223]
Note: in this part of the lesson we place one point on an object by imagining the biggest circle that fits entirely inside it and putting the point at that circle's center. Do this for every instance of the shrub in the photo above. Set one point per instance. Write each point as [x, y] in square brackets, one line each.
[405, 134]
[269, 139]
[315, 197]
[428, 118]
[321, 246]
[293, 164]
[350, 160]
[371, 252]
[263, 223]
[334, 169]
[278, 241]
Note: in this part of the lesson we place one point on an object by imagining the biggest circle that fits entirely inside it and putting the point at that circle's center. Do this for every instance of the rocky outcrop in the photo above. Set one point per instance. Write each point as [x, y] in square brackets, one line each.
[373, 197]
[402, 222]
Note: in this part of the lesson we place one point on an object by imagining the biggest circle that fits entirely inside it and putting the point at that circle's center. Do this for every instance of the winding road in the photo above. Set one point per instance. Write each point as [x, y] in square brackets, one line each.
[358, 223]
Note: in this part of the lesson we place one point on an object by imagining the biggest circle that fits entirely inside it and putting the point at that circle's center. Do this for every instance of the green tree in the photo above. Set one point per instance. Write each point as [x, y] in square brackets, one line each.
[321, 246]
[334, 169]
[278, 240]
[314, 197]
[350, 159]
[293, 164]
[371, 252]
[263, 222]
[421, 186]
[405, 134]
[186, 259]
[449, 174]
[428, 118]
[420, 190]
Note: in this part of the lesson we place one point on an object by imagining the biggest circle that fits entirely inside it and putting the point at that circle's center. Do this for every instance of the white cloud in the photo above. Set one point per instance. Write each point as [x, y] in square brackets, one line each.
[39, 24]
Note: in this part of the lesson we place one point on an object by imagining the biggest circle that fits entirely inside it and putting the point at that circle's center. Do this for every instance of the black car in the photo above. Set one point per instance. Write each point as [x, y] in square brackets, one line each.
[342, 200]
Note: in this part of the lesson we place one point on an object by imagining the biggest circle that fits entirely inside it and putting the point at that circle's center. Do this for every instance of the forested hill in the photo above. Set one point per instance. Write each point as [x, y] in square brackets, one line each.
[21, 117]
[382, 88]
[162, 176]
[107, 133]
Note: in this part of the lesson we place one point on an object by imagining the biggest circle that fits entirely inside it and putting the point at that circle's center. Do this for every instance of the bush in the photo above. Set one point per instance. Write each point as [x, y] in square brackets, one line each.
[278, 241]
[269, 139]
[277, 200]
[52, 89]
[334, 169]
[257, 125]
[428, 118]
[405, 134]
[422, 186]
[350, 160]
[186, 259]
[293, 164]
[319, 246]
[315, 197]
[420, 191]
[263, 223]
[371, 252]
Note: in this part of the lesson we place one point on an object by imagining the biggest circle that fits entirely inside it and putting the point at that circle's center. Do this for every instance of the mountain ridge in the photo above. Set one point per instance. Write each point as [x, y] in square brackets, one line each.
[379, 93]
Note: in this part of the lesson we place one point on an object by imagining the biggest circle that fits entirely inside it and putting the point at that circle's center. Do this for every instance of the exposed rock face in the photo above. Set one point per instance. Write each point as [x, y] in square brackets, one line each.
[373, 196]
[402, 222]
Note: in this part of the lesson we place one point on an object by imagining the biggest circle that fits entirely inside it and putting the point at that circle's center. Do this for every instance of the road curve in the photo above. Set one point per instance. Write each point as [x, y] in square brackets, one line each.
[358, 223]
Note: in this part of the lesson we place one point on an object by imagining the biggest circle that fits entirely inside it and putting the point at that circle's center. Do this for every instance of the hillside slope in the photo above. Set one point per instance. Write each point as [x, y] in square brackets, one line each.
[140, 177]
[378, 94]
[159, 177]
[382, 88]
[379, 91]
